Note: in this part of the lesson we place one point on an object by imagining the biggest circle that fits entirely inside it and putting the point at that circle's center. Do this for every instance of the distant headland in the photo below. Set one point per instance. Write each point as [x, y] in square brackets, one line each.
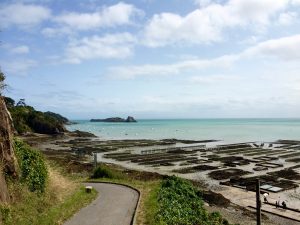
[129, 119]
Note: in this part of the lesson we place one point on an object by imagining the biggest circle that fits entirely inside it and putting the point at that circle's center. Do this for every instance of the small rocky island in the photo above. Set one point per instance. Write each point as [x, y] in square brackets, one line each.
[129, 119]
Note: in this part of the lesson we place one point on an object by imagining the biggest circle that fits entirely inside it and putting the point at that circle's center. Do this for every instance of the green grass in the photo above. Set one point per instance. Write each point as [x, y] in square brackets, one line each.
[43, 195]
[65, 210]
[180, 203]
[40, 209]
[151, 205]
[103, 171]
[171, 201]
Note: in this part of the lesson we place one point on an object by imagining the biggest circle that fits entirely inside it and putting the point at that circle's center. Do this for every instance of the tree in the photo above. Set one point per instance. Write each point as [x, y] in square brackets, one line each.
[21, 102]
[2, 84]
[10, 103]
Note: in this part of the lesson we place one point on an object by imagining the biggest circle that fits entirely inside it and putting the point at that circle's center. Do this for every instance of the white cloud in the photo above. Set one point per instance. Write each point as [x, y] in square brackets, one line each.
[55, 32]
[202, 3]
[23, 49]
[213, 79]
[287, 18]
[108, 46]
[23, 15]
[208, 23]
[295, 2]
[18, 67]
[286, 48]
[256, 11]
[196, 27]
[119, 14]
[129, 72]
[250, 40]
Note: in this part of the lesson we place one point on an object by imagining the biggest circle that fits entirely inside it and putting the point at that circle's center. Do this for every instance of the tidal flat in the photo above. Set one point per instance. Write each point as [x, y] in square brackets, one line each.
[227, 169]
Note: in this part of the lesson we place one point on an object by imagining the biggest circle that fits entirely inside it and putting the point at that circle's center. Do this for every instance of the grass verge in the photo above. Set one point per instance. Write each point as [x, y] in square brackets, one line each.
[62, 197]
[163, 200]
[60, 213]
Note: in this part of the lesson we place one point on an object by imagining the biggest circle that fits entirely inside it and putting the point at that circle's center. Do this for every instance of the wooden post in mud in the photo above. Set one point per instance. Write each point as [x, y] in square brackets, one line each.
[258, 203]
[95, 160]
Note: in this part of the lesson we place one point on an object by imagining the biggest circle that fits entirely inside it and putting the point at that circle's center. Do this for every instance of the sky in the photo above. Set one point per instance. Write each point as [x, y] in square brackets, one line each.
[153, 58]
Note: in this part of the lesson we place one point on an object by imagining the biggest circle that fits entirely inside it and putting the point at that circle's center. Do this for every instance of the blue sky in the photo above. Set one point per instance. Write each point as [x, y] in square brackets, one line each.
[153, 58]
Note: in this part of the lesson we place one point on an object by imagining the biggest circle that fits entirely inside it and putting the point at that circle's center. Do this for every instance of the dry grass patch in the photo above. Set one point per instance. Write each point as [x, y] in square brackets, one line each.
[59, 185]
[62, 197]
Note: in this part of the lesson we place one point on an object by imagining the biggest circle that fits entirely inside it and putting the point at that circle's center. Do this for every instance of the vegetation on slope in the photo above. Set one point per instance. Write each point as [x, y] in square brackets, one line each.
[27, 119]
[54, 199]
[33, 167]
[103, 171]
[58, 117]
[180, 203]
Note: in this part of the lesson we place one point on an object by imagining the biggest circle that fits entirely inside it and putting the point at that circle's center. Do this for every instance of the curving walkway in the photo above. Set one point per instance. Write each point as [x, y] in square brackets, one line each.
[115, 206]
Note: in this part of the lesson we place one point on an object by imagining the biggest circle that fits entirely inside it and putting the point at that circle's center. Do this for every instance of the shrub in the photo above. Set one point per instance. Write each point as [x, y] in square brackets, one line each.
[180, 203]
[5, 214]
[103, 171]
[33, 167]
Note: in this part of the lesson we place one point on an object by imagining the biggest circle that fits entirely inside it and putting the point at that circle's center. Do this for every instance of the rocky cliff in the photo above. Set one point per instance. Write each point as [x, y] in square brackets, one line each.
[8, 161]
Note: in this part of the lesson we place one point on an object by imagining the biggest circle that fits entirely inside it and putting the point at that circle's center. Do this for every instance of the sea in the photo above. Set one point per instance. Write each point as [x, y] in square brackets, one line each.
[225, 130]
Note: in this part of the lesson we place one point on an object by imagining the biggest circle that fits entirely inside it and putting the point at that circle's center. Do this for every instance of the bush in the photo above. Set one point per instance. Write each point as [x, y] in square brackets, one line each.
[5, 214]
[103, 171]
[33, 167]
[180, 203]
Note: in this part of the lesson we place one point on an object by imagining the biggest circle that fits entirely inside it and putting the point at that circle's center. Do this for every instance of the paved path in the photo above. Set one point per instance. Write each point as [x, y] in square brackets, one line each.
[115, 206]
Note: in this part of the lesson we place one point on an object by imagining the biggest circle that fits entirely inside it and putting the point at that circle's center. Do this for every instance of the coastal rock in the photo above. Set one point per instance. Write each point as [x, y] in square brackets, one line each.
[78, 133]
[8, 161]
[129, 119]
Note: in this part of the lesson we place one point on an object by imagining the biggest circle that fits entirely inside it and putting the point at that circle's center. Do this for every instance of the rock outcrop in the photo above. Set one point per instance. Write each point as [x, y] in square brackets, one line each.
[78, 133]
[129, 119]
[8, 161]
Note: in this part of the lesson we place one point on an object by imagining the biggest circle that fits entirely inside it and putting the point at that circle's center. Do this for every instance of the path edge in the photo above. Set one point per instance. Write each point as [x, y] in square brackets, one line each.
[133, 219]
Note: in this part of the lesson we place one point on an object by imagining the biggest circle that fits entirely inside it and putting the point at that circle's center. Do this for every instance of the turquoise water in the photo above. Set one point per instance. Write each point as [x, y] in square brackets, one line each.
[229, 130]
